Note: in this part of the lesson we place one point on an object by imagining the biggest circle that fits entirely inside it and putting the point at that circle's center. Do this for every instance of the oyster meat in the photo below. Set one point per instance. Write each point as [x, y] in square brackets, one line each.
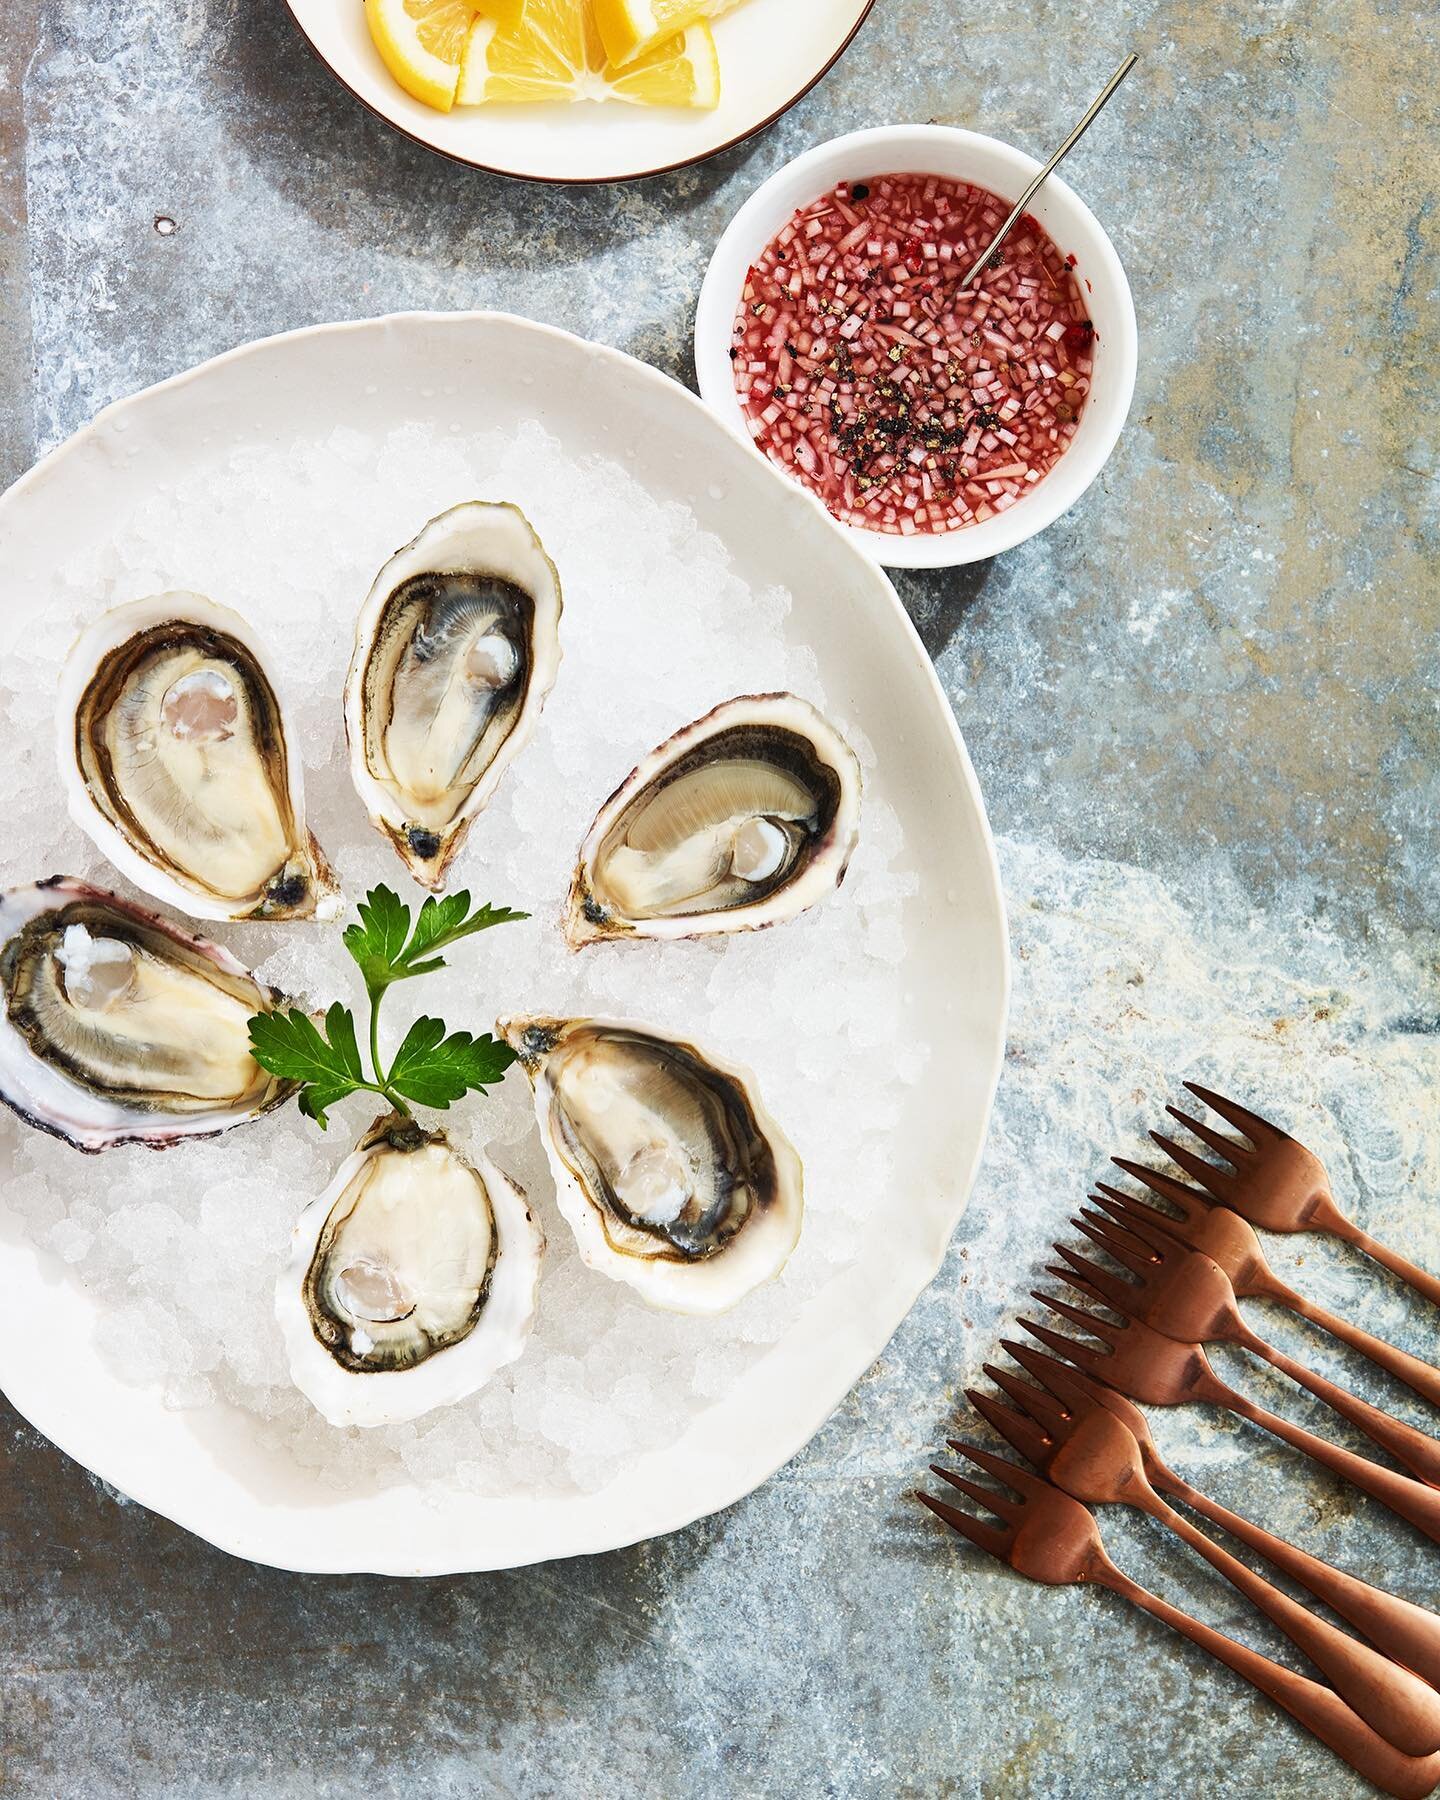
[456, 648]
[742, 819]
[668, 1169]
[412, 1279]
[175, 761]
[120, 1027]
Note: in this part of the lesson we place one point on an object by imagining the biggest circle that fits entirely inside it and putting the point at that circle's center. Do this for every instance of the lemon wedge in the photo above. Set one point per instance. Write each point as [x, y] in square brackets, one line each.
[526, 51]
[678, 71]
[630, 28]
[421, 43]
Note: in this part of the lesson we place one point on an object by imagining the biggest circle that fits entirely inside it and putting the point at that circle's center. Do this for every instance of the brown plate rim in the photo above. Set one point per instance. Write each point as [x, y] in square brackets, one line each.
[685, 162]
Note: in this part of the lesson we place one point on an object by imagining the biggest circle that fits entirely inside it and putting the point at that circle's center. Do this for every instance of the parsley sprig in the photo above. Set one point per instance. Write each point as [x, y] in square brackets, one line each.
[432, 1067]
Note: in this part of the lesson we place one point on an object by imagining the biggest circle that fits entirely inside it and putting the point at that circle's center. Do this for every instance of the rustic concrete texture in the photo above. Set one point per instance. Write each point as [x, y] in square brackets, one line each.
[1238, 622]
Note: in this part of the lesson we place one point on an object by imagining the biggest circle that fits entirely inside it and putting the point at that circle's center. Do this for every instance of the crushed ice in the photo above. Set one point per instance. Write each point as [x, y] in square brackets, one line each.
[181, 1250]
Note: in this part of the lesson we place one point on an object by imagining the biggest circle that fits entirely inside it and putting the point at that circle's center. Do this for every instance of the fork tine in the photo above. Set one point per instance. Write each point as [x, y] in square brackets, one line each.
[1021, 1480]
[1258, 1130]
[1043, 1407]
[1070, 1384]
[1230, 1148]
[1210, 1176]
[1191, 1201]
[1035, 1362]
[985, 1537]
[1153, 1242]
[1132, 1212]
[1001, 1505]
[1149, 1251]
[1064, 1346]
[1122, 1208]
[1082, 1285]
[1086, 1321]
[1161, 1230]
[1020, 1433]
[1096, 1278]
[1120, 1243]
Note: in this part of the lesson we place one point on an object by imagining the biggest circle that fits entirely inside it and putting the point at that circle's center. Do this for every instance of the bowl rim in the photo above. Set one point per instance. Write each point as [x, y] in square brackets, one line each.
[751, 228]
[669, 168]
[238, 1535]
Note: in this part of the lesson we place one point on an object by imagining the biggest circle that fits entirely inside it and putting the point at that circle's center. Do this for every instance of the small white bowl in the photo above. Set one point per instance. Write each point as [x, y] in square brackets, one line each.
[963, 156]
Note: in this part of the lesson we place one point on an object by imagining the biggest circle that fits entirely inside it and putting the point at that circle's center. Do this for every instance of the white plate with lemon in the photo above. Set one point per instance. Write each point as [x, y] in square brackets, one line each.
[579, 90]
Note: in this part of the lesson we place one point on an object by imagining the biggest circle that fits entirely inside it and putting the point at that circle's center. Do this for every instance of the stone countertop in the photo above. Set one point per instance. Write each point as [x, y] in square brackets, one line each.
[1203, 707]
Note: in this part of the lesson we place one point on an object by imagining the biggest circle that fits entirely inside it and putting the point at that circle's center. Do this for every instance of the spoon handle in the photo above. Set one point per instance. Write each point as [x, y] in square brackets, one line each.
[1397, 1704]
[1419, 1453]
[1319, 1709]
[1418, 1376]
[1417, 1278]
[1059, 156]
[1404, 1631]
[1412, 1500]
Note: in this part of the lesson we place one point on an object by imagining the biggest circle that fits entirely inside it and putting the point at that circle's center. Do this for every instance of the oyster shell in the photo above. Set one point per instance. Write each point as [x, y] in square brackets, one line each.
[744, 818]
[120, 1027]
[455, 650]
[175, 761]
[670, 1172]
[411, 1280]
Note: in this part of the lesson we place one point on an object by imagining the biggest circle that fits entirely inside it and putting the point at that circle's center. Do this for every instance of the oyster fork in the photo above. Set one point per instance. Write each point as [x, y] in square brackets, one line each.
[1276, 1183]
[1187, 1295]
[1049, 1537]
[1221, 1233]
[1090, 1454]
[1161, 1371]
[1406, 1632]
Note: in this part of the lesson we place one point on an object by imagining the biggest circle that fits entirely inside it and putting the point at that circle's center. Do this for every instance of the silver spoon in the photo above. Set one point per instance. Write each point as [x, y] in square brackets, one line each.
[1064, 150]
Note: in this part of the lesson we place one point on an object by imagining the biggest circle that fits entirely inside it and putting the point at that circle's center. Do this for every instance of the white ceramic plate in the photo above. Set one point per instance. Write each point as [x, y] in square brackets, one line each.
[771, 52]
[205, 1468]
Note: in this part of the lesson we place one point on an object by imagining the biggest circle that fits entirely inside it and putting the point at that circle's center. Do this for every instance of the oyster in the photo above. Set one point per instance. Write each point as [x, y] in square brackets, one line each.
[121, 1028]
[412, 1279]
[669, 1171]
[742, 819]
[455, 650]
[175, 761]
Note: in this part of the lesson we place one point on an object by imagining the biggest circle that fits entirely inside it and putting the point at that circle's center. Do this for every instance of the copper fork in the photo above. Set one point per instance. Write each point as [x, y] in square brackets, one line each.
[1276, 1183]
[1160, 1371]
[1205, 1225]
[1405, 1632]
[1049, 1537]
[1187, 1295]
[1089, 1454]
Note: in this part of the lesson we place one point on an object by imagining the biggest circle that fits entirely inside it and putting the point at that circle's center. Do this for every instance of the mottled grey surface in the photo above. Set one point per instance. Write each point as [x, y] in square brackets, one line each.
[1239, 622]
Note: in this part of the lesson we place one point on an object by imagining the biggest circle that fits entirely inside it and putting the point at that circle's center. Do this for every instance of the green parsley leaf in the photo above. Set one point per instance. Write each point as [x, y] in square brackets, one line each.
[326, 1064]
[446, 921]
[386, 948]
[315, 1101]
[437, 1070]
[378, 940]
[292, 1046]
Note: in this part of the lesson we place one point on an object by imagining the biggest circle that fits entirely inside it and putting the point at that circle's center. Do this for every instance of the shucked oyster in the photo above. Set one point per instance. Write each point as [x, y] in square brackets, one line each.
[120, 1027]
[455, 650]
[669, 1171]
[175, 760]
[412, 1279]
[742, 819]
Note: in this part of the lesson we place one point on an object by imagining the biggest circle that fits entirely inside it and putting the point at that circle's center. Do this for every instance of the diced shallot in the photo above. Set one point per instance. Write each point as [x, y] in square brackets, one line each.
[905, 404]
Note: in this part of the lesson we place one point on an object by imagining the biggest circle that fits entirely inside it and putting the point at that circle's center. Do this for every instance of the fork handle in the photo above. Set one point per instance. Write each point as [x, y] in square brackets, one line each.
[1412, 1500]
[1319, 1709]
[1418, 1452]
[1418, 1278]
[1404, 1631]
[1396, 1703]
[1418, 1376]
